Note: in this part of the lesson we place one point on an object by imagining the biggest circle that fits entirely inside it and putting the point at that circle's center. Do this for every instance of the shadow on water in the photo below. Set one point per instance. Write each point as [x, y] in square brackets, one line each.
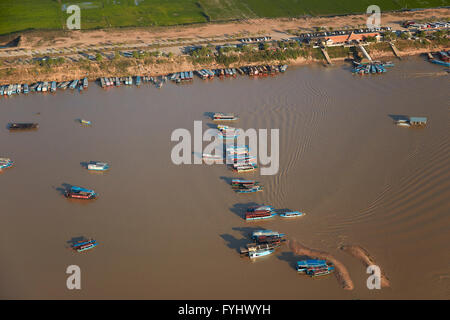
[75, 240]
[234, 243]
[62, 189]
[226, 179]
[209, 115]
[84, 164]
[291, 258]
[239, 209]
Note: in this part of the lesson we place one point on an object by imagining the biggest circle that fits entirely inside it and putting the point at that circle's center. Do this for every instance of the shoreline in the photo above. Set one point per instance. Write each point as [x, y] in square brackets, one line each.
[60, 73]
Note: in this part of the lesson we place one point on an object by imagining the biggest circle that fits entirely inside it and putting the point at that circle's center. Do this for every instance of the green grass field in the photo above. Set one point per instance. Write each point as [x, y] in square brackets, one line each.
[20, 15]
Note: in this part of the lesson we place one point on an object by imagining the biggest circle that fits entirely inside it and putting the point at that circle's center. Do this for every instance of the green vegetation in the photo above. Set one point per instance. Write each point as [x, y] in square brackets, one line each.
[20, 15]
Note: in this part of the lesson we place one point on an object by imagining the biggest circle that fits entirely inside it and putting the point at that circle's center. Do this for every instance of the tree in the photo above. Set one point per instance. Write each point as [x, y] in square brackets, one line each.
[98, 57]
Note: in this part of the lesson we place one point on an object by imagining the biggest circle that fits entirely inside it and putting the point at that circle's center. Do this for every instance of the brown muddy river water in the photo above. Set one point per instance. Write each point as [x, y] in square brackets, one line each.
[172, 232]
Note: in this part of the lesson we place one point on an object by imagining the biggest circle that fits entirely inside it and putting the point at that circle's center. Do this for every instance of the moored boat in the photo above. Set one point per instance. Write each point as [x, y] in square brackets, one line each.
[75, 192]
[244, 167]
[98, 166]
[315, 267]
[221, 116]
[84, 245]
[23, 126]
[85, 122]
[259, 213]
[6, 163]
[291, 214]
[251, 189]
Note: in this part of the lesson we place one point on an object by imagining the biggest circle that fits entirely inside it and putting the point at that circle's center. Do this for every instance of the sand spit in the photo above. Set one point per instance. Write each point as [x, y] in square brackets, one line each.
[362, 254]
[341, 273]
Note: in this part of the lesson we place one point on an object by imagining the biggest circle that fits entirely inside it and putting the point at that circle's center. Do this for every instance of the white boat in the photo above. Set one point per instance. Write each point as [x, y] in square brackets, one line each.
[98, 166]
[291, 214]
[403, 123]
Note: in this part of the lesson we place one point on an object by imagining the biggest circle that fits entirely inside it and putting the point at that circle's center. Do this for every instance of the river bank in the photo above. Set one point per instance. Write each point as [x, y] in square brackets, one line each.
[164, 65]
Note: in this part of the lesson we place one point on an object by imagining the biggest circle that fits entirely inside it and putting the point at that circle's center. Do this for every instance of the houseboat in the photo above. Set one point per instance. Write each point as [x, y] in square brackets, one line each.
[220, 116]
[5, 163]
[257, 250]
[23, 126]
[266, 233]
[251, 189]
[84, 245]
[259, 213]
[238, 183]
[314, 267]
[242, 167]
[80, 193]
[291, 214]
[98, 166]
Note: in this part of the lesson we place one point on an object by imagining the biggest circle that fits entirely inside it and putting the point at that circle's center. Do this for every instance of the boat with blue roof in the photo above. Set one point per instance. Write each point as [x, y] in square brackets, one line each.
[315, 267]
[75, 192]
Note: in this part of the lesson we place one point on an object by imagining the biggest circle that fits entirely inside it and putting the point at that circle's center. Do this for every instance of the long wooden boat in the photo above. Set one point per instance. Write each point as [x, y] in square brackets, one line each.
[291, 214]
[23, 126]
[251, 189]
[84, 245]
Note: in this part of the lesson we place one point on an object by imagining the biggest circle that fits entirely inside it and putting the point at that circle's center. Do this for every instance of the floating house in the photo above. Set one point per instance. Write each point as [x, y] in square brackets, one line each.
[418, 121]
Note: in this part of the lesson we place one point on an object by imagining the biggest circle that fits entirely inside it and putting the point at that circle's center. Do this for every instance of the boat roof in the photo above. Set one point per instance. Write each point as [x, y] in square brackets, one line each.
[223, 114]
[75, 188]
[418, 119]
[311, 262]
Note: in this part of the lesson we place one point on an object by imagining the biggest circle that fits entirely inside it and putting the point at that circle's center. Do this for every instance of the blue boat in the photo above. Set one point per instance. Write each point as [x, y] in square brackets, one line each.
[251, 189]
[291, 214]
[1, 90]
[25, 88]
[5, 163]
[138, 80]
[73, 84]
[442, 63]
[85, 83]
[53, 86]
[314, 267]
